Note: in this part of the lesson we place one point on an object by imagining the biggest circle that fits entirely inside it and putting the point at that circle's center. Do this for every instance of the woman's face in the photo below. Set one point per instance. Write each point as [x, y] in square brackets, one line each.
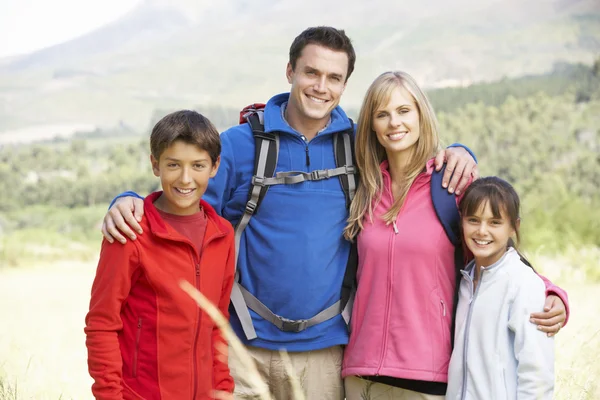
[396, 123]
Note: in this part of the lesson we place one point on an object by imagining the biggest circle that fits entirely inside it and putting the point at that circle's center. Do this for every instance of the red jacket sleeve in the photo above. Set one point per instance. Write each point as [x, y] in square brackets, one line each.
[552, 289]
[103, 322]
[223, 379]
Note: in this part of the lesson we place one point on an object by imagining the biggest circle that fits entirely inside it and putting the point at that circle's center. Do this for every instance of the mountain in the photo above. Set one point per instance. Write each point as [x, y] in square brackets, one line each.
[188, 53]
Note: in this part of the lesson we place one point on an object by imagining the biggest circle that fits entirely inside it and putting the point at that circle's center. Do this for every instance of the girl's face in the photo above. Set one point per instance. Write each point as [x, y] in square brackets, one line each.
[396, 123]
[487, 236]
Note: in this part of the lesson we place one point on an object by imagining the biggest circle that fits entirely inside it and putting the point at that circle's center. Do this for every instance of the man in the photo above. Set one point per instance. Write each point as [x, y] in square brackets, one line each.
[292, 255]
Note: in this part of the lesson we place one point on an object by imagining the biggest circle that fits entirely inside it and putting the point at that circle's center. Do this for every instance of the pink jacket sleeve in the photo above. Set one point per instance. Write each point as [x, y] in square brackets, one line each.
[552, 289]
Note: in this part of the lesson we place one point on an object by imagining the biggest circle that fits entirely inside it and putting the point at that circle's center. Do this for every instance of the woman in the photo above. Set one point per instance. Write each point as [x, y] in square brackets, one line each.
[400, 341]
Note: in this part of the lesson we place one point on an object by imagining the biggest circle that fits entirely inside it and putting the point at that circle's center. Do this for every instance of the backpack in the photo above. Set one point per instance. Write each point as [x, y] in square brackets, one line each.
[265, 162]
[445, 207]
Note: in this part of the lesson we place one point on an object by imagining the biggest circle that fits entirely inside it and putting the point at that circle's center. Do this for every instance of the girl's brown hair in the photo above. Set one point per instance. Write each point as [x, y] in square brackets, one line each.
[502, 198]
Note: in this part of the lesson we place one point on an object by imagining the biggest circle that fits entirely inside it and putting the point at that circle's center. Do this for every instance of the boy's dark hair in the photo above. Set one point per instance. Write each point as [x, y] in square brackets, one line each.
[188, 126]
[326, 36]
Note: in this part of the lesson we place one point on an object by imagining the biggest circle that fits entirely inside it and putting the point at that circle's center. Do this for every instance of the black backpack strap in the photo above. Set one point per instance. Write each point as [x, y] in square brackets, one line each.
[343, 147]
[349, 284]
[265, 162]
[266, 151]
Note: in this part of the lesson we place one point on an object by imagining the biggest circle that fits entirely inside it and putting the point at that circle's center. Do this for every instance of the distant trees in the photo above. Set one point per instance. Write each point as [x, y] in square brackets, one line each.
[546, 142]
[564, 78]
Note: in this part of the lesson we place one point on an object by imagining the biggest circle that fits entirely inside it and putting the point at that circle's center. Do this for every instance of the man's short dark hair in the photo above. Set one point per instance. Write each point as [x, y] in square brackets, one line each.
[326, 36]
[188, 126]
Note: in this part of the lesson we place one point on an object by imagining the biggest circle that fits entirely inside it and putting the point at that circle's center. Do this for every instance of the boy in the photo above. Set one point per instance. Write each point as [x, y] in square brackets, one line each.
[146, 338]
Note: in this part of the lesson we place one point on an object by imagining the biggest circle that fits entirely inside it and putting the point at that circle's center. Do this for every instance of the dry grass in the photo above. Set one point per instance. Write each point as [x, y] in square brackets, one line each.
[235, 345]
[42, 344]
[578, 347]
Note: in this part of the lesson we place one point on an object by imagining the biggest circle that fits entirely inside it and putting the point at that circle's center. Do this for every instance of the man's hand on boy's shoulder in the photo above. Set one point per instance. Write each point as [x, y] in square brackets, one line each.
[123, 219]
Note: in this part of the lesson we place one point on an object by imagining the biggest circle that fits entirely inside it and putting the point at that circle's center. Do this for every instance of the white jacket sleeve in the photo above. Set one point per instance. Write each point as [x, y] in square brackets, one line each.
[534, 351]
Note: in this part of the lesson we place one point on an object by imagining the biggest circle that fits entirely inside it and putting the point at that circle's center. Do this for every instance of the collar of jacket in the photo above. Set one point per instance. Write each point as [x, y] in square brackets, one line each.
[158, 226]
[387, 178]
[275, 122]
[490, 270]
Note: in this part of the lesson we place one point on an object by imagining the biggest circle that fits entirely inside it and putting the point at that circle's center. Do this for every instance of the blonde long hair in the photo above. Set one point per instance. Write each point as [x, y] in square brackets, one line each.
[370, 153]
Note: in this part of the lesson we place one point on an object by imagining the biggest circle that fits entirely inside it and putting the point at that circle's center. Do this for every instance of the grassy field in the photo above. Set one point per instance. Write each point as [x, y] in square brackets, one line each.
[43, 355]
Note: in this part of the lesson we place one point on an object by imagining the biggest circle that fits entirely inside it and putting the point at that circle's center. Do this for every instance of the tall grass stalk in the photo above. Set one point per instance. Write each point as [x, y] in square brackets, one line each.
[235, 345]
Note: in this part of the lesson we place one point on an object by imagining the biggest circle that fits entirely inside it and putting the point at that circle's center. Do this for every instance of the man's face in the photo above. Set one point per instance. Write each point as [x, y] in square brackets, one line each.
[318, 82]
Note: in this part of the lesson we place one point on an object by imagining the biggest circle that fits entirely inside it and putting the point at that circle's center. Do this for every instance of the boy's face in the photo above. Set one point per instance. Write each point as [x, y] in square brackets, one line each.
[184, 170]
[318, 82]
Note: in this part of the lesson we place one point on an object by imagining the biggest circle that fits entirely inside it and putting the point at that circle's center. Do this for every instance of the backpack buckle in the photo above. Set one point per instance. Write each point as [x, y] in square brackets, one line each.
[250, 207]
[258, 181]
[350, 169]
[319, 174]
[290, 325]
[264, 135]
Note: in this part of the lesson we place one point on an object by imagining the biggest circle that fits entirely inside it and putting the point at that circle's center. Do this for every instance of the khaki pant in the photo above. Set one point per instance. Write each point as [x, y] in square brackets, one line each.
[362, 389]
[318, 372]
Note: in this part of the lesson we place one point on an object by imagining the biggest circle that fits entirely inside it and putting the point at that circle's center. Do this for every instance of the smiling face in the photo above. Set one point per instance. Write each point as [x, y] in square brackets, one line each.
[487, 235]
[397, 124]
[184, 170]
[318, 81]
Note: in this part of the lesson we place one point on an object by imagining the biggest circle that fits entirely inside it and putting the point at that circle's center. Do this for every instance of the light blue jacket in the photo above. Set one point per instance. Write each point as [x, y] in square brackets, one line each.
[498, 354]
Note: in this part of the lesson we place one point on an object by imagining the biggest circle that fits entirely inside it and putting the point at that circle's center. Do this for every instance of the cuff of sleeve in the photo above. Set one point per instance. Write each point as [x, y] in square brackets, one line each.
[556, 291]
[466, 148]
[129, 193]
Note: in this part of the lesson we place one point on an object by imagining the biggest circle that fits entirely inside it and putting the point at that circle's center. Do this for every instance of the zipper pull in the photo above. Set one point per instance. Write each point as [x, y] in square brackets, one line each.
[197, 269]
[307, 158]
[395, 227]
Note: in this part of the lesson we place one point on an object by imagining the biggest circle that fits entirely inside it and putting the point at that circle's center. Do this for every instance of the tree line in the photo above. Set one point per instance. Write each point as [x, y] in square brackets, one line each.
[546, 142]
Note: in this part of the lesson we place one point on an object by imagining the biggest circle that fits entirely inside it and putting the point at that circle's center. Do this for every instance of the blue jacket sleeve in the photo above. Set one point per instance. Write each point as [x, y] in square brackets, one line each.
[466, 148]
[128, 193]
[220, 188]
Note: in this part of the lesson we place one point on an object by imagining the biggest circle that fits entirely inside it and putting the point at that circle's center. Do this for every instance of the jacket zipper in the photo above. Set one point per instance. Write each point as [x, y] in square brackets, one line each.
[137, 348]
[467, 328]
[388, 298]
[307, 157]
[196, 262]
[305, 141]
[198, 315]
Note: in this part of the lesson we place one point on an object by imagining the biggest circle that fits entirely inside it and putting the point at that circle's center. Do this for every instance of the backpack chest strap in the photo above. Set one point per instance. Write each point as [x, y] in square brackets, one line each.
[292, 177]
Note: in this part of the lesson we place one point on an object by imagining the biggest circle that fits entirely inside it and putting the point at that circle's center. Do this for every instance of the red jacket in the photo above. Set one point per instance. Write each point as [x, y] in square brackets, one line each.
[146, 338]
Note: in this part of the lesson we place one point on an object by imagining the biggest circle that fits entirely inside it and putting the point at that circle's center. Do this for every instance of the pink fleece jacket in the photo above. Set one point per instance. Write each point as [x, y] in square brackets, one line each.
[402, 313]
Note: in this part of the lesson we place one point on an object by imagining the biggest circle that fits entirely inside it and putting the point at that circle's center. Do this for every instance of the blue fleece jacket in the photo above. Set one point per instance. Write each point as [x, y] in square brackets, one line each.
[292, 254]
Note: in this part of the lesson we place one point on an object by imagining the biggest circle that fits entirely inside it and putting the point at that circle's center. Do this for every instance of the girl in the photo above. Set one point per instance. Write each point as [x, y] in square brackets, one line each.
[400, 341]
[498, 354]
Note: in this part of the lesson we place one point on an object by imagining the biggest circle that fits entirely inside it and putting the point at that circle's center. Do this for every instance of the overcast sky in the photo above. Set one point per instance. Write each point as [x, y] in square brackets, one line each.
[29, 25]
